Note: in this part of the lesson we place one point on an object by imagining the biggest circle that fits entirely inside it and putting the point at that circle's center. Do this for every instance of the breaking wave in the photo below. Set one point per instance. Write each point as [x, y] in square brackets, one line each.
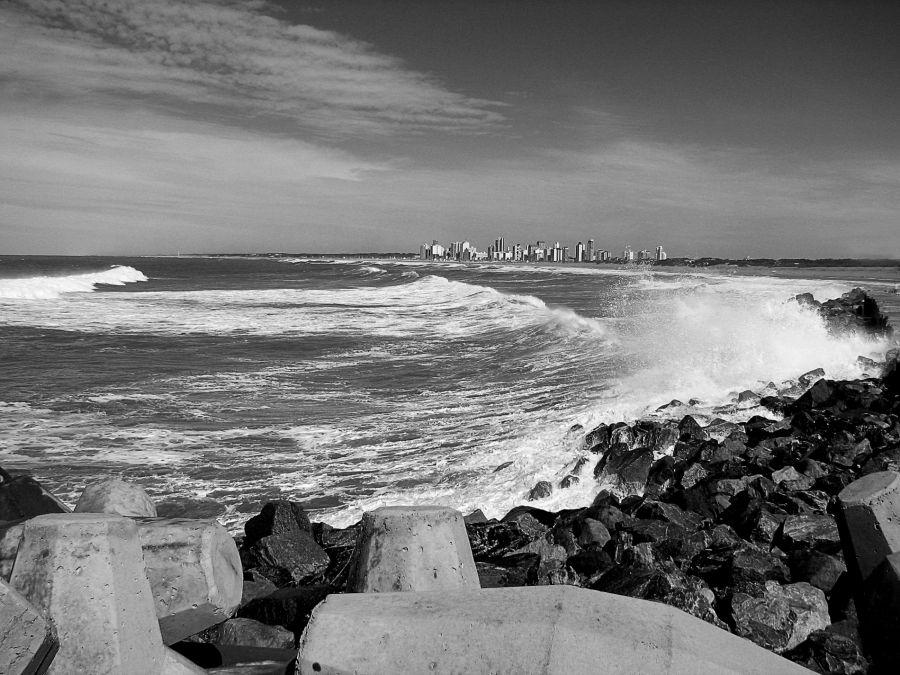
[49, 287]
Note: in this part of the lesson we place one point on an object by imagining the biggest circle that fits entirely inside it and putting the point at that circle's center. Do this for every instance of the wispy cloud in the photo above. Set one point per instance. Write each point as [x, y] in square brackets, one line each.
[233, 56]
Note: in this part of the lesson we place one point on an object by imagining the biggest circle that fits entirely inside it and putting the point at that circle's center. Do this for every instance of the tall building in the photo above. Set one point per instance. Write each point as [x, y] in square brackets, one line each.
[643, 255]
[589, 251]
[603, 256]
[660, 254]
[628, 254]
[579, 252]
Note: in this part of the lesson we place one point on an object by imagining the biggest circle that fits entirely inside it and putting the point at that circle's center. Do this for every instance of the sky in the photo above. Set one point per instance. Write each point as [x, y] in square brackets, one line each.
[719, 128]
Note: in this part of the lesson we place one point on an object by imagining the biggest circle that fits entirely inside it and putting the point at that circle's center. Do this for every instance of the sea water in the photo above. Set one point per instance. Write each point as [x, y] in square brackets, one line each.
[219, 383]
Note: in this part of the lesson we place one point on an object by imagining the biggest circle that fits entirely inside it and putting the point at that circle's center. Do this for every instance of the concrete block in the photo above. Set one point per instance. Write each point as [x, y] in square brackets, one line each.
[86, 572]
[193, 567]
[413, 548]
[880, 613]
[195, 574]
[10, 537]
[27, 640]
[118, 497]
[868, 520]
[543, 629]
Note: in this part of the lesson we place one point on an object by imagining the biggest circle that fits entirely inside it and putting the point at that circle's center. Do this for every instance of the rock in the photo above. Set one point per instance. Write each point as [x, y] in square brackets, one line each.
[817, 396]
[492, 540]
[194, 571]
[792, 479]
[86, 572]
[413, 548]
[750, 564]
[624, 472]
[287, 607]
[252, 633]
[782, 617]
[23, 497]
[826, 652]
[116, 496]
[476, 517]
[541, 490]
[253, 589]
[27, 639]
[811, 531]
[593, 533]
[551, 630]
[597, 440]
[279, 545]
[819, 569]
[693, 475]
[569, 481]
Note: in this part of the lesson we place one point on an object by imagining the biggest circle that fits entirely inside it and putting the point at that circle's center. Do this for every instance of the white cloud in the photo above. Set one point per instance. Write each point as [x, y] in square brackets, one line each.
[230, 55]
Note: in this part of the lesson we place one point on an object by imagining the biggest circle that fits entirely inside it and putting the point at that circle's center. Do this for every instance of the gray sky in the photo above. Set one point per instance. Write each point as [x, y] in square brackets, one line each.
[714, 128]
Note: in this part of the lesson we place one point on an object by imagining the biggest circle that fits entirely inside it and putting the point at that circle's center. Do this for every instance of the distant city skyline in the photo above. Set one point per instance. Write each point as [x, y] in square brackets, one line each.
[539, 251]
[727, 128]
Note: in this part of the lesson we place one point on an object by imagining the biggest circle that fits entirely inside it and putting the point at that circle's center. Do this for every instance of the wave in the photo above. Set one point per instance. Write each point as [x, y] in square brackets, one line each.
[50, 287]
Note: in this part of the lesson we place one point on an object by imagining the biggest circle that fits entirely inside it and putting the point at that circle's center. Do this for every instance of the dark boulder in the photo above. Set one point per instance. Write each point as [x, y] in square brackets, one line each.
[279, 545]
[287, 607]
[821, 570]
[825, 651]
[493, 540]
[813, 531]
[779, 617]
[23, 497]
[624, 472]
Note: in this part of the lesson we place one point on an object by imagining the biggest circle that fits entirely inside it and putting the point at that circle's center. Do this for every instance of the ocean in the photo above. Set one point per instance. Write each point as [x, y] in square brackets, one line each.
[220, 383]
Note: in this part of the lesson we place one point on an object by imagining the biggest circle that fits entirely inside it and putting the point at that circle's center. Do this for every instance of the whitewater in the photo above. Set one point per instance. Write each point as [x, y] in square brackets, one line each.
[221, 383]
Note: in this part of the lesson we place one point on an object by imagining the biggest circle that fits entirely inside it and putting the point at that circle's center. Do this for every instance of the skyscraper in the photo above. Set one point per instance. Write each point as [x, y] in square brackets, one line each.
[589, 251]
[660, 254]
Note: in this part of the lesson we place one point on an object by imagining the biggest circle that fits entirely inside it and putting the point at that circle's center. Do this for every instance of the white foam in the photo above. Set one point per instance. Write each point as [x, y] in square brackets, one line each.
[44, 287]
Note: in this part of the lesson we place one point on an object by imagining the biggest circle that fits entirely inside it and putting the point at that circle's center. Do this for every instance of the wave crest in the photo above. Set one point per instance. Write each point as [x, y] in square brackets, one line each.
[50, 287]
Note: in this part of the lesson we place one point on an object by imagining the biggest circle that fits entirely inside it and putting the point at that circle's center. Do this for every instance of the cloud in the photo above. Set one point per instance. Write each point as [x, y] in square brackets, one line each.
[252, 67]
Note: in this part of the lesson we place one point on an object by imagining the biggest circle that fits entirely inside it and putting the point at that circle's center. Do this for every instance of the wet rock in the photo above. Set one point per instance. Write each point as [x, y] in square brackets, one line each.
[597, 440]
[692, 475]
[689, 429]
[569, 481]
[624, 472]
[662, 476]
[541, 490]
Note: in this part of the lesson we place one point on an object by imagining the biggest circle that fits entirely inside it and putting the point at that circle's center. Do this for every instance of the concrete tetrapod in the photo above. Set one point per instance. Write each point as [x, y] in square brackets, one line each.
[882, 611]
[116, 496]
[413, 548]
[86, 572]
[868, 520]
[545, 630]
[195, 574]
[27, 640]
[193, 567]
